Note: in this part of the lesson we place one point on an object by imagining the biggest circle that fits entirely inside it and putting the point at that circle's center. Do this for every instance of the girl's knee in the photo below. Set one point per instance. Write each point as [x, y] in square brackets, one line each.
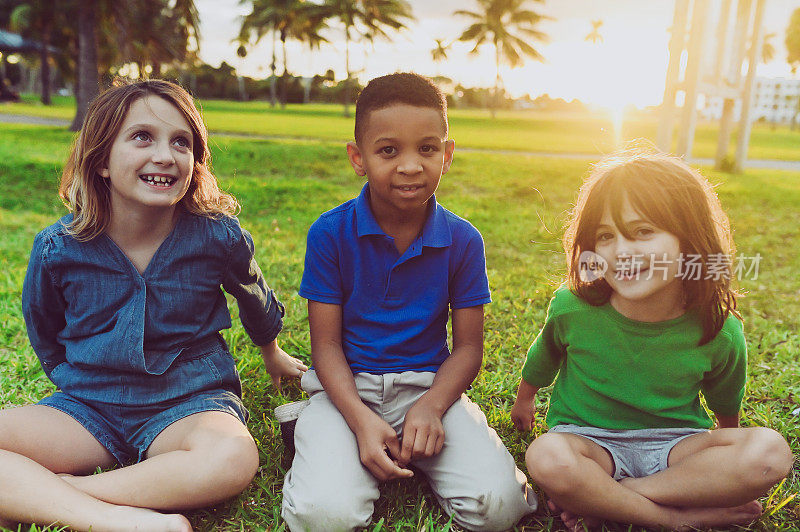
[232, 464]
[552, 463]
[765, 454]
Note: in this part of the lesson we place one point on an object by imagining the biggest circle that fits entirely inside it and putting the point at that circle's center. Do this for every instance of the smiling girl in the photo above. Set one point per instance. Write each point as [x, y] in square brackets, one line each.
[123, 307]
[631, 346]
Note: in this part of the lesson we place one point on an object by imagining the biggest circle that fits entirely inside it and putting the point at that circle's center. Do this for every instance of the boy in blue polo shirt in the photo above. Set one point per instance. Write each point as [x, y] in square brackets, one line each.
[382, 272]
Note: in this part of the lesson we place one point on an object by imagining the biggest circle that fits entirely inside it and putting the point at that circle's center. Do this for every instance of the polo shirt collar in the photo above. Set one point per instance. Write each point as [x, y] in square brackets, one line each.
[435, 232]
[366, 224]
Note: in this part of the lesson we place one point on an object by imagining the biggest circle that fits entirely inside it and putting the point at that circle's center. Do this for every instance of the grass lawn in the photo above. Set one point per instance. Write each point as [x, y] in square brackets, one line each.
[531, 131]
[518, 202]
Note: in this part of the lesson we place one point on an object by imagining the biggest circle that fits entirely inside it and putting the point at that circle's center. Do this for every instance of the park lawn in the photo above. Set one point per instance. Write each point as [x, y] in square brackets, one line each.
[518, 202]
[527, 131]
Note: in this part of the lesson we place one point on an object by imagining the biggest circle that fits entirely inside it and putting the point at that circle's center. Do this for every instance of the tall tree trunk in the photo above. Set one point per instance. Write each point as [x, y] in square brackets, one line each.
[285, 77]
[347, 68]
[496, 98]
[272, 66]
[88, 86]
[44, 56]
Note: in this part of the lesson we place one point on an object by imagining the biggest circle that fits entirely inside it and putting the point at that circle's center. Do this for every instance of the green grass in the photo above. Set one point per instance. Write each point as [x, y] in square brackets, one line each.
[518, 202]
[529, 131]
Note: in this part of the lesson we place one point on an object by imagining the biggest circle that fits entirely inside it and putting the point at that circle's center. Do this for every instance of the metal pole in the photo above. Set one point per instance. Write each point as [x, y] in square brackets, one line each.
[743, 139]
[676, 45]
[689, 115]
[733, 78]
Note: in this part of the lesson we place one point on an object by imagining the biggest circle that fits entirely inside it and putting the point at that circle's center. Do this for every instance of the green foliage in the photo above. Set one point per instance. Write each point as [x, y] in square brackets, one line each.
[518, 202]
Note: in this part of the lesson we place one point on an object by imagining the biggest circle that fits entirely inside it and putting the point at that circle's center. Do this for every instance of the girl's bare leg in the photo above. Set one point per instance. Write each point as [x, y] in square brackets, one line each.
[197, 461]
[576, 474]
[724, 467]
[36, 442]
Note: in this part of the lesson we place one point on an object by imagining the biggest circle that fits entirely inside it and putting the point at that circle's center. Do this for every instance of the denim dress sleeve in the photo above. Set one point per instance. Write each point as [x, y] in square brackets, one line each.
[43, 307]
[259, 309]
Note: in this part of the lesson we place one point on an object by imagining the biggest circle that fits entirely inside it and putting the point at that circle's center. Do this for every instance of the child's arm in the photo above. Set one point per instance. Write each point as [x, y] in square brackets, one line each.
[44, 309]
[423, 433]
[279, 364]
[524, 410]
[727, 422]
[372, 433]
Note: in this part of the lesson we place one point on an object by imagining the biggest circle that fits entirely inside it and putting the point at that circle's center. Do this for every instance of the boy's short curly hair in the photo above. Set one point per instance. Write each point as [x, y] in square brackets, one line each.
[399, 88]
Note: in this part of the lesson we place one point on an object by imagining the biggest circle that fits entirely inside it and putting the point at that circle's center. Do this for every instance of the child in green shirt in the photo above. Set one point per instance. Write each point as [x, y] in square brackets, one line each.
[646, 323]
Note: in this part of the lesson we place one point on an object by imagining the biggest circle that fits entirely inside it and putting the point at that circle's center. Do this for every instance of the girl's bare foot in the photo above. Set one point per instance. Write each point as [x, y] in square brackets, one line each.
[573, 522]
[130, 519]
[693, 518]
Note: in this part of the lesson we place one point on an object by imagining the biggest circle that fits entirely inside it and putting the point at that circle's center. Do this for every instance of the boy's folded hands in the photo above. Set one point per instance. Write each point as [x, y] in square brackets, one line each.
[423, 433]
[375, 437]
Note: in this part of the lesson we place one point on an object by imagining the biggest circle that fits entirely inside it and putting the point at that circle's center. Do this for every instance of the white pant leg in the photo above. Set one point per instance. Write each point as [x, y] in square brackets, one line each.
[327, 487]
[474, 477]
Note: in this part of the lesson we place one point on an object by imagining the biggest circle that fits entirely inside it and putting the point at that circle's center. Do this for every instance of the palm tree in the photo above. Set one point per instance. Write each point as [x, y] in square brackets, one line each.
[767, 48]
[284, 20]
[366, 18]
[508, 25]
[439, 52]
[154, 33]
[148, 32]
[86, 78]
[37, 20]
[594, 36]
[262, 19]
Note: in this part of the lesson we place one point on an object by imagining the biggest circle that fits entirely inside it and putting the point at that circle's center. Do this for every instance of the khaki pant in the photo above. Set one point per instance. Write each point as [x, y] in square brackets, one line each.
[327, 488]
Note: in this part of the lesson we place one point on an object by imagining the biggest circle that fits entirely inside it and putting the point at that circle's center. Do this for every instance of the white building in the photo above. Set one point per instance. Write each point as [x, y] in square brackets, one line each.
[775, 100]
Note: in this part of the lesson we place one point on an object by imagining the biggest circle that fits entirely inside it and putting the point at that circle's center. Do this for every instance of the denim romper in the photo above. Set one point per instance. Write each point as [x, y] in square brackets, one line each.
[132, 353]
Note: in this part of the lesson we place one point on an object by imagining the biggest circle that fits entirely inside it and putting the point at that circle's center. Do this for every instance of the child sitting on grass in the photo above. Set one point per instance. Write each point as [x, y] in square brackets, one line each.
[647, 322]
[382, 273]
[123, 307]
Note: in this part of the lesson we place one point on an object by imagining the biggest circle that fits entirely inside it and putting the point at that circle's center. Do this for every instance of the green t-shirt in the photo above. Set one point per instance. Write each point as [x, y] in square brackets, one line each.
[618, 373]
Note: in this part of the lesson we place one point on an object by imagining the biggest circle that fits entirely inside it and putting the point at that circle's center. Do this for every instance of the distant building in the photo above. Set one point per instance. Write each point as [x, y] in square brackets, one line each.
[775, 100]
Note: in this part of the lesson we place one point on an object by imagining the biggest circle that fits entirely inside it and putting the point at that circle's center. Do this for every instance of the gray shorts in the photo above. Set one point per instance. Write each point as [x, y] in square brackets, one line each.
[635, 453]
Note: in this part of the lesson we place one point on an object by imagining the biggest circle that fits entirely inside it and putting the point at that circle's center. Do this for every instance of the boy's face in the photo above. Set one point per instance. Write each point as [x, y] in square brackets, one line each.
[403, 152]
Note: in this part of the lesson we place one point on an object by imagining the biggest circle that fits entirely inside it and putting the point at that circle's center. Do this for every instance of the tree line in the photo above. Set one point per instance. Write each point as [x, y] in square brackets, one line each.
[92, 40]
[89, 39]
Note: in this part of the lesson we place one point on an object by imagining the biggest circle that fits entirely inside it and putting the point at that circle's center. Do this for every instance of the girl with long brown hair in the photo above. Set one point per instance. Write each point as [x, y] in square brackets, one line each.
[123, 307]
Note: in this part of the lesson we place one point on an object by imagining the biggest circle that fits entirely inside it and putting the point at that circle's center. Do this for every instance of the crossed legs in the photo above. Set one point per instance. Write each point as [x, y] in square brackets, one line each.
[713, 479]
[198, 460]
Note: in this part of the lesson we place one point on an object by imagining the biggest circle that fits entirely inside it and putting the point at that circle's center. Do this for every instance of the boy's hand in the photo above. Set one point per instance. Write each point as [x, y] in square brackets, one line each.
[374, 437]
[423, 433]
[524, 410]
[279, 364]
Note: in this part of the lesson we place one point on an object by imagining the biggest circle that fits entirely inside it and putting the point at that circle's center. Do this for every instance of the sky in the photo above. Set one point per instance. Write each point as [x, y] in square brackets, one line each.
[627, 67]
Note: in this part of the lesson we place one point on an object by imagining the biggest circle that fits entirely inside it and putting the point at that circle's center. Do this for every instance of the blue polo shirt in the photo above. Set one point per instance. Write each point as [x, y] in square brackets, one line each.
[394, 307]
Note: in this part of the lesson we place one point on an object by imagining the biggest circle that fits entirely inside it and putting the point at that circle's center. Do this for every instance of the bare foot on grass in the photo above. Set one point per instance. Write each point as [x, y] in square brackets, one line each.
[693, 518]
[574, 523]
[130, 519]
